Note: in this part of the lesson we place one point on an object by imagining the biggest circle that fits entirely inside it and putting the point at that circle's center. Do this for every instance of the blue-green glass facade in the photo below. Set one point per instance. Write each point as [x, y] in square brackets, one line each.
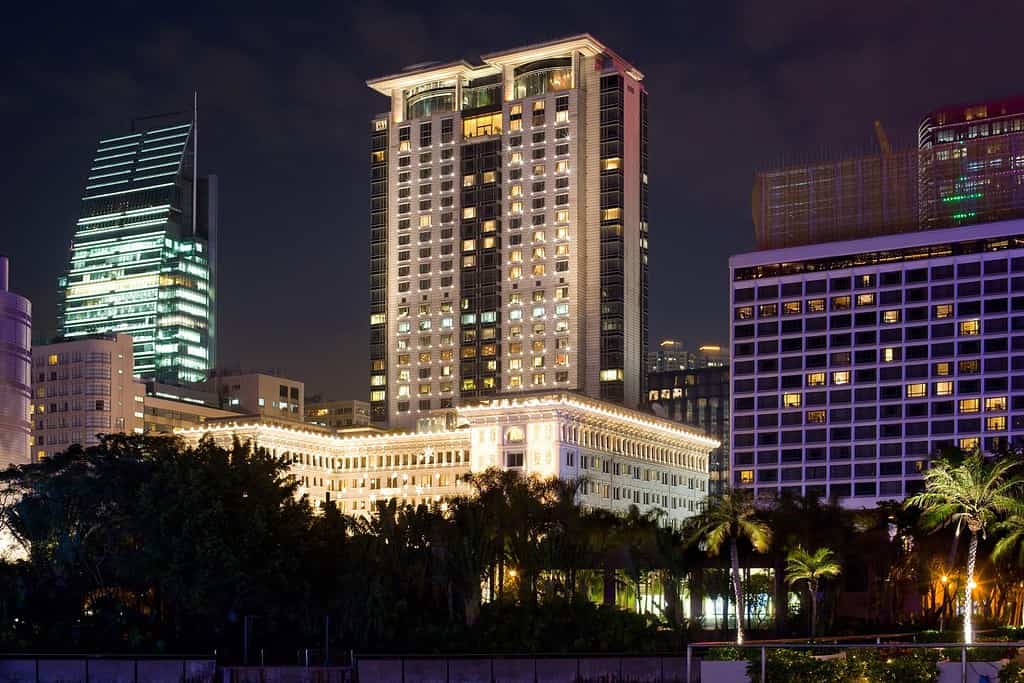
[143, 257]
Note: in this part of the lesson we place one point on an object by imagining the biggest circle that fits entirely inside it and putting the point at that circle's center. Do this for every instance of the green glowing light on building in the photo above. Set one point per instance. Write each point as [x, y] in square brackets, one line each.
[963, 197]
[141, 263]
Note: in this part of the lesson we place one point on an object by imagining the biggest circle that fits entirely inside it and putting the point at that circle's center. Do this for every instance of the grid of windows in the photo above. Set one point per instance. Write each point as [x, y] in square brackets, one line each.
[852, 400]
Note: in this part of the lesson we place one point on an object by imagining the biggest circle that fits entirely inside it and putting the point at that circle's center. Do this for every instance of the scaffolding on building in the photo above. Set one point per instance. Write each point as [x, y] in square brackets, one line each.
[959, 183]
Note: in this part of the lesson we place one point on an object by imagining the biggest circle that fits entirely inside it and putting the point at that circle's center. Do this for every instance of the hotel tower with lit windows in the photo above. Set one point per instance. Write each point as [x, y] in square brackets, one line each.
[508, 230]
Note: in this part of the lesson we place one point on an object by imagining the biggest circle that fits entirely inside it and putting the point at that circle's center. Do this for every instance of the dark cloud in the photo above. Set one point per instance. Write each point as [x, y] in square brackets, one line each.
[734, 86]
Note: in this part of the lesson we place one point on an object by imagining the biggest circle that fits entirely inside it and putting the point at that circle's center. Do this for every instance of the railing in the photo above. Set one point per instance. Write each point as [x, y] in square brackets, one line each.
[765, 645]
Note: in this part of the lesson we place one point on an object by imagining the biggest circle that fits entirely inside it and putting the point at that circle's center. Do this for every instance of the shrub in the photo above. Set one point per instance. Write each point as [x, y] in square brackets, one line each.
[1013, 672]
[856, 666]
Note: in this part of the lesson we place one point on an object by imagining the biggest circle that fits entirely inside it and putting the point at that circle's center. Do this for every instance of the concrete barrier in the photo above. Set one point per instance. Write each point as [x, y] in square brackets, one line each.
[603, 669]
[106, 670]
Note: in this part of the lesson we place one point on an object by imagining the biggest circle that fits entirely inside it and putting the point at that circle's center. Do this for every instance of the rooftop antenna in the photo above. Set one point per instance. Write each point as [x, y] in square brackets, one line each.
[195, 157]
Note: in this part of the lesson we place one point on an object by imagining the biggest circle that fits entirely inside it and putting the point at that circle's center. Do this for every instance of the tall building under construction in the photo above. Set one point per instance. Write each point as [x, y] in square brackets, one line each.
[968, 168]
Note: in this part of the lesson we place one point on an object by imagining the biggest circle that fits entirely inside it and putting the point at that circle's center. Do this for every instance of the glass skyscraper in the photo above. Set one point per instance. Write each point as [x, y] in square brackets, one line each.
[143, 257]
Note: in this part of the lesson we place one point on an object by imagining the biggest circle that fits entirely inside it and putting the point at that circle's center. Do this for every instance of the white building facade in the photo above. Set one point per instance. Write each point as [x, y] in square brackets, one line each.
[623, 457]
[509, 230]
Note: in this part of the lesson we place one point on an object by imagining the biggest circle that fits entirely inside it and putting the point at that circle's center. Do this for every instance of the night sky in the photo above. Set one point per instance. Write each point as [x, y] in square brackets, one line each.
[284, 122]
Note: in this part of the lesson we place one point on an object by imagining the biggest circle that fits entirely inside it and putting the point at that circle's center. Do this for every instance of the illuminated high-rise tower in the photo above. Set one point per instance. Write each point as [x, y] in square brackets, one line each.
[143, 257]
[508, 237]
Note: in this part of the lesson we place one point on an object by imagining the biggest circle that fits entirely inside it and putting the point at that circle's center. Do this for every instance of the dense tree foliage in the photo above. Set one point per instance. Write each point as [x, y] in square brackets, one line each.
[140, 543]
[144, 544]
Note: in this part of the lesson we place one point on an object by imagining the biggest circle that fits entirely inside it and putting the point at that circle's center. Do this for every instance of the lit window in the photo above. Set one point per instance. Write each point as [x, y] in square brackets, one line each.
[51, 359]
[517, 207]
[612, 214]
[791, 400]
[943, 388]
[815, 417]
[746, 476]
[469, 180]
[538, 379]
[969, 367]
[791, 308]
[815, 305]
[970, 328]
[562, 166]
[969, 444]
[995, 403]
[840, 303]
[995, 424]
[539, 253]
[516, 158]
[469, 212]
[515, 381]
[917, 390]
[841, 377]
[943, 310]
[744, 313]
[943, 369]
[865, 299]
[890, 317]
[889, 354]
[768, 310]
[970, 405]
[611, 375]
[816, 379]
[515, 256]
[489, 226]
[487, 124]
[538, 269]
[468, 245]
[489, 176]
[516, 190]
[611, 164]
[515, 272]
[562, 216]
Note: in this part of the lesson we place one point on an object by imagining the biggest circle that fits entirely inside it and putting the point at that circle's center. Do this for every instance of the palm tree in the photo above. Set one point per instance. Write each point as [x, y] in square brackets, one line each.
[1011, 545]
[802, 565]
[973, 493]
[731, 517]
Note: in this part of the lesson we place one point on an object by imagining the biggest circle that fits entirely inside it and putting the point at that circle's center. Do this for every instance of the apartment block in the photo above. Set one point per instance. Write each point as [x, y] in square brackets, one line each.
[82, 388]
[508, 236]
[258, 393]
[337, 414]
